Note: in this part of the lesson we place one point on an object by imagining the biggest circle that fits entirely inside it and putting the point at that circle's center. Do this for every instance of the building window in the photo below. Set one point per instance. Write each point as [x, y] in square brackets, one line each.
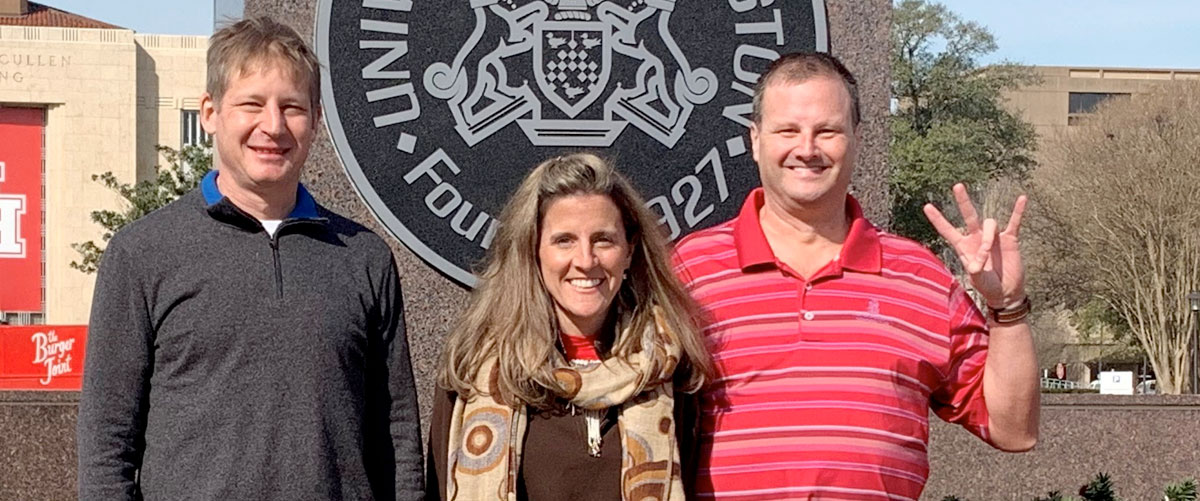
[1086, 102]
[22, 318]
[191, 131]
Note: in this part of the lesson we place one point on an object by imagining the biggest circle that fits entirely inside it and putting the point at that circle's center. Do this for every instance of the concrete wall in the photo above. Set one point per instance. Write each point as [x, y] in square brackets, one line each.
[1143, 442]
[37, 446]
[110, 96]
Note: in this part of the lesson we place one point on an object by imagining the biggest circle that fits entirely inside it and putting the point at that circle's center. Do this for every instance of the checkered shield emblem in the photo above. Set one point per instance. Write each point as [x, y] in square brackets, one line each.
[572, 62]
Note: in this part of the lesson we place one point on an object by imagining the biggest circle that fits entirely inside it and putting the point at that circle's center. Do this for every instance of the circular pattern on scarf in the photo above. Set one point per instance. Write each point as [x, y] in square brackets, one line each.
[570, 381]
[485, 440]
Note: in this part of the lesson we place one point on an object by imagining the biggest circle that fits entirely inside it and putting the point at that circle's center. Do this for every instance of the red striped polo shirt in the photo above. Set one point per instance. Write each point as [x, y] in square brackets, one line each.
[824, 386]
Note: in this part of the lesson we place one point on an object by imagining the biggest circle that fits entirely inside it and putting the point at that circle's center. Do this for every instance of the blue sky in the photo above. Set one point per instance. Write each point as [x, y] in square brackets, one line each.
[173, 17]
[1129, 33]
[1132, 33]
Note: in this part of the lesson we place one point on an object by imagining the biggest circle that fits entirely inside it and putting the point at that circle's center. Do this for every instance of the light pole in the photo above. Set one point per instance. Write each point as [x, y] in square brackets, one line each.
[1194, 304]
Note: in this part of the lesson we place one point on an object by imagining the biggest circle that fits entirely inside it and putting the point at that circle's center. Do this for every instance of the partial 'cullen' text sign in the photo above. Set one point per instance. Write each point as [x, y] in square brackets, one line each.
[438, 108]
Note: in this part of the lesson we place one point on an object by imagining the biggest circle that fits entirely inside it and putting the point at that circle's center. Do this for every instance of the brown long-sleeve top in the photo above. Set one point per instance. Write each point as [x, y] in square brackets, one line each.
[555, 463]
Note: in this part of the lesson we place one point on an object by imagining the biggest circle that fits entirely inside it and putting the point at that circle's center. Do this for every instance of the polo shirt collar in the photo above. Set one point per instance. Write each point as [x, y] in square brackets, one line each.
[748, 236]
[306, 206]
[861, 251]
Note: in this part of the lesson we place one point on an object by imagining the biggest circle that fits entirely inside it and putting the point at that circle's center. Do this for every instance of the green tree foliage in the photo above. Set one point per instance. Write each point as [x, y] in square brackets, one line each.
[185, 168]
[949, 123]
[1096, 316]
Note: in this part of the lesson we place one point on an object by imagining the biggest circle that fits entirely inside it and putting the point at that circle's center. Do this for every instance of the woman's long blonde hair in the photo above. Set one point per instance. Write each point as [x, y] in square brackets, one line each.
[511, 314]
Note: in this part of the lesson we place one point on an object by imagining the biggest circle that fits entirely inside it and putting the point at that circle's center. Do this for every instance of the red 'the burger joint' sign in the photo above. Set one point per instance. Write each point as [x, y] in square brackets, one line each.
[42, 357]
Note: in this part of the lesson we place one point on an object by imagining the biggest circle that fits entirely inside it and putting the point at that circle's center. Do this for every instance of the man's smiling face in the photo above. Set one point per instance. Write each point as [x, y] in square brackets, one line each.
[262, 128]
[805, 143]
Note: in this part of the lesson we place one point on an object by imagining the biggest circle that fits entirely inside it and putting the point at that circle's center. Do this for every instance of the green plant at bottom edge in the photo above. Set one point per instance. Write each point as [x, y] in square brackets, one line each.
[1184, 490]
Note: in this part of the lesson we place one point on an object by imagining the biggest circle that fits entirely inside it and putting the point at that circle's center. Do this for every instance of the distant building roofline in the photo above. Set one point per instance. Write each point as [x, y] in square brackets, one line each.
[44, 16]
[1117, 68]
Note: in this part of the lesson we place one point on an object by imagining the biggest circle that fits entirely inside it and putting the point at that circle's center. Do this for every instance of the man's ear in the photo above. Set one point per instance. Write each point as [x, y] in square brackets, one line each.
[754, 141]
[208, 112]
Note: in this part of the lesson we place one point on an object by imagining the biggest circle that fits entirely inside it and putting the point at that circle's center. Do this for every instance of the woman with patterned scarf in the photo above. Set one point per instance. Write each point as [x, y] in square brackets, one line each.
[572, 374]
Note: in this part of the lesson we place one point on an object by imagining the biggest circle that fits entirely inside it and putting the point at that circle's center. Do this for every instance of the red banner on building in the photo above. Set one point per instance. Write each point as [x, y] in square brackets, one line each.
[21, 209]
[42, 357]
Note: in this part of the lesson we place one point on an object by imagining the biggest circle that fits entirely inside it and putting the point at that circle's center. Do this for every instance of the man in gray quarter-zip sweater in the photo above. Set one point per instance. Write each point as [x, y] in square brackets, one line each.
[245, 342]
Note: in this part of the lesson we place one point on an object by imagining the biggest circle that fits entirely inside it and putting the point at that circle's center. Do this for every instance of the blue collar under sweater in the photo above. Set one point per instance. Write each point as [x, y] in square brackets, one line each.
[306, 207]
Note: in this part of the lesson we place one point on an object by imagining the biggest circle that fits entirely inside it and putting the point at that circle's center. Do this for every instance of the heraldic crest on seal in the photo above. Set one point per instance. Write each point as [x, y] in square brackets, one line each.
[571, 47]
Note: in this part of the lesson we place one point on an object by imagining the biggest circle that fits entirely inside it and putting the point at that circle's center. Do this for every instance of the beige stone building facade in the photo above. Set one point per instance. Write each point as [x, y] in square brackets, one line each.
[107, 97]
[1065, 94]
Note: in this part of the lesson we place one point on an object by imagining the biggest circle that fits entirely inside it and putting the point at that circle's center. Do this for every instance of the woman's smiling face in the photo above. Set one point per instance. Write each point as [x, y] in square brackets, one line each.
[583, 254]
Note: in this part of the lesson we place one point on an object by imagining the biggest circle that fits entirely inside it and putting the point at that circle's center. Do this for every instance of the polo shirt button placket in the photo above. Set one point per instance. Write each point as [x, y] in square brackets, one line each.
[804, 313]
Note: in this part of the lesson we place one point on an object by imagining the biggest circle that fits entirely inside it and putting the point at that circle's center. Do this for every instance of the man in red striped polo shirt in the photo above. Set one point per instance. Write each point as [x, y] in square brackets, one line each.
[833, 339]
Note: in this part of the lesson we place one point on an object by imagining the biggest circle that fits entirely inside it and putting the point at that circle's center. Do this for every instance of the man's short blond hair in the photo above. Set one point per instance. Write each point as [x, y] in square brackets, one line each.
[799, 67]
[255, 44]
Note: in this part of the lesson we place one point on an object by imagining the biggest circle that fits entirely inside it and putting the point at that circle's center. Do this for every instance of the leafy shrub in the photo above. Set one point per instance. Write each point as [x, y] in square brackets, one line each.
[1182, 491]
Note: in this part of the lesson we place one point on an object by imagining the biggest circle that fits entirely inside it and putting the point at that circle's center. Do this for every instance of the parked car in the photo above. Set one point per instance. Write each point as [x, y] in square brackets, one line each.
[1147, 387]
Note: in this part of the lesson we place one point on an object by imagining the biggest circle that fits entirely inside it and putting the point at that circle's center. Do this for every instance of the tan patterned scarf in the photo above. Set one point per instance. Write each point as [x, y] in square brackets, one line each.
[486, 434]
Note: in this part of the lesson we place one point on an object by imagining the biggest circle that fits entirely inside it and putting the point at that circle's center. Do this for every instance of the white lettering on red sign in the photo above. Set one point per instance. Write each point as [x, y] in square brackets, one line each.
[53, 353]
[12, 207]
